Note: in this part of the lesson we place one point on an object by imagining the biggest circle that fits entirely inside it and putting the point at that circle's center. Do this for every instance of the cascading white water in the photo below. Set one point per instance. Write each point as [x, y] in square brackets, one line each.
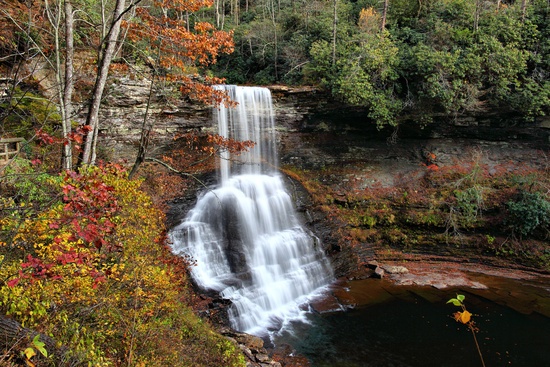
[244, 235]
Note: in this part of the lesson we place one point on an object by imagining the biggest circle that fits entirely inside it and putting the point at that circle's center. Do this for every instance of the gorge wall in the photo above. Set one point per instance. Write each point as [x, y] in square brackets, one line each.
[336, 144]
[317, 129]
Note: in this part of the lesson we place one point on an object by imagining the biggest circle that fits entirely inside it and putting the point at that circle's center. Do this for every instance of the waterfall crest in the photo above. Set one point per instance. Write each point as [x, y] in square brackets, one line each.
[244, 235]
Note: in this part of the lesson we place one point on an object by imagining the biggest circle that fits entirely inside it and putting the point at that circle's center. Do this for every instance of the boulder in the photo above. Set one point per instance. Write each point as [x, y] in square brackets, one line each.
[395, 269]
[378, 272]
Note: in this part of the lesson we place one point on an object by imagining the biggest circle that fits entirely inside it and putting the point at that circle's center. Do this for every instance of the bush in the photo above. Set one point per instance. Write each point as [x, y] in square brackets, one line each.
[530, 212]
[94, 272]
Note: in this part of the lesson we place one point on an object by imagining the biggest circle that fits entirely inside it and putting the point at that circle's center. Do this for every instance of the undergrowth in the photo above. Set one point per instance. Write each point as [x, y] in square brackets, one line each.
[84, 260]
[468, 208]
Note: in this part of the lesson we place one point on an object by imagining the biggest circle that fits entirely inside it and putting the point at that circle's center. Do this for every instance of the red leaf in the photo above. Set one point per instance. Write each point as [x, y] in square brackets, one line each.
[13, 282]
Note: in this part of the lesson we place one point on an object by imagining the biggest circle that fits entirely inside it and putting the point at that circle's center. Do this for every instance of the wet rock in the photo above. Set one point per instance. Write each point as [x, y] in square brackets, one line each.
[372, 264]
[378, 272]
[260, 357]
[250, 341]
[328, 303]
[251, 346]
[435, 276]
[247, 352]
[345, 300]
[285, 355]
[395, 269]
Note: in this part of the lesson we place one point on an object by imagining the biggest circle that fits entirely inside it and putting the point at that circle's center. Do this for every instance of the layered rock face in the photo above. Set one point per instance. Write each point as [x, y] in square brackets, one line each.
[315, 130]
[123, 112]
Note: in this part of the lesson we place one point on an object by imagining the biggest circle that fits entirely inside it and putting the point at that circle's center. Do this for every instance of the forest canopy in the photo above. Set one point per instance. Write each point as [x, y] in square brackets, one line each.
[398, 58]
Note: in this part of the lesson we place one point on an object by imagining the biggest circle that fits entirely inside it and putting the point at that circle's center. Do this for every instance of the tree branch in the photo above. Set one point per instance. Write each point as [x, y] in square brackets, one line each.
[172, 169]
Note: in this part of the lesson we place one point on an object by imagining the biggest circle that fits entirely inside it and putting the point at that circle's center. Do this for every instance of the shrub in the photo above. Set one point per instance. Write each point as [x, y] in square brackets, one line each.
[528, 213]
[94, 272]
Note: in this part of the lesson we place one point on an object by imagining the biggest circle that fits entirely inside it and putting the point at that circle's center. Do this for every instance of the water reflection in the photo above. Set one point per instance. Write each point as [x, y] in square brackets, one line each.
[412, 326]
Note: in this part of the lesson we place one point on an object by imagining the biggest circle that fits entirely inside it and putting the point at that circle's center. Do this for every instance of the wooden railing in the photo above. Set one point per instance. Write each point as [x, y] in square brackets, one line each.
[9, 148]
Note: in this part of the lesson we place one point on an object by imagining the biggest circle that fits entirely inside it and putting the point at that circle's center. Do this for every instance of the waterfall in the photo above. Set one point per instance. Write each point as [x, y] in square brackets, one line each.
[244, 235]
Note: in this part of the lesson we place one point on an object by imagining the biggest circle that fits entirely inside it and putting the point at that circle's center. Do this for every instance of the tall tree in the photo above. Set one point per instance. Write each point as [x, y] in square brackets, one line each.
[69, 86]
[334, 30]
[179, 50]
[55, 13]
[108, 47]
[523, 10]
[384, 15]
[477, 14]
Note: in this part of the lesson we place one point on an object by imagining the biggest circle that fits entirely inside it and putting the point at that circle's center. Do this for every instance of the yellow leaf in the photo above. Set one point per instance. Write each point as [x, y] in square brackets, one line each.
[463, 317]
[29, 353]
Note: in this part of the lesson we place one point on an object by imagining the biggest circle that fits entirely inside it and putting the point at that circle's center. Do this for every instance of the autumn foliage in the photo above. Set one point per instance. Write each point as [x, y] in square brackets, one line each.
[93, 270]
[178, 49]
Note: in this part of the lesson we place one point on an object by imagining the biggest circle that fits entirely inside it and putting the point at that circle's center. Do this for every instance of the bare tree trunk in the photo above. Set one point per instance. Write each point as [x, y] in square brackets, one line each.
[13, 334]
[69, 85]
[217, 12]
[219, 5]
[384, 15]
[334, 25]
[523, 10]
[89, 154]
[276, 45]
[146, 129]
[476, 15]
[234, 11]
[64, 82]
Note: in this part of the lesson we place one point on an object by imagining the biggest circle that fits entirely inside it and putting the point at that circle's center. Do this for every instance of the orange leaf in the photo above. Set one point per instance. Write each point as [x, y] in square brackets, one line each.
[463, 317]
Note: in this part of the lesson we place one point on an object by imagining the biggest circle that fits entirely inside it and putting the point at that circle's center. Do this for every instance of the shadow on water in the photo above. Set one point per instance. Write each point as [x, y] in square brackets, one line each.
[413, 326]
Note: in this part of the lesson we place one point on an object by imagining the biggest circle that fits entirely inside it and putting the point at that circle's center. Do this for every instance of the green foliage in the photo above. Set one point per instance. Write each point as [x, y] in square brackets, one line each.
[321, 69]
[434, 57]
[24, 111]
[458, 301]
[469, 203]
[24, 183]
[364, 76]
[529, 212]
[37, 345]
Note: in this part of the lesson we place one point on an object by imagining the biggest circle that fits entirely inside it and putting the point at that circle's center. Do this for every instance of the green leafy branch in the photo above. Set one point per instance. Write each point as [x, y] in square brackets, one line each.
[36, 345]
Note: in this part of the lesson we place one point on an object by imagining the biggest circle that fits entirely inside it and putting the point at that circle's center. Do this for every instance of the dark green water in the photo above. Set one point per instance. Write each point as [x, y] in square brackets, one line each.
[413, 326]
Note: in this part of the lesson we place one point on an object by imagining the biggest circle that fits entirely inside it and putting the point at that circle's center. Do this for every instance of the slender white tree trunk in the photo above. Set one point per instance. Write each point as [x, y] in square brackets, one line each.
[89, 155]
[63, 76]
[523, 10]
[476, 15]
[69, 85]
[384, 15]
[334, 29]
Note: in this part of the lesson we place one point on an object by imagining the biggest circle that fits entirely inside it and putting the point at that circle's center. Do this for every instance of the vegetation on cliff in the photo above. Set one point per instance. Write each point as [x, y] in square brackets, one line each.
[470, 210]
[399, 59]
